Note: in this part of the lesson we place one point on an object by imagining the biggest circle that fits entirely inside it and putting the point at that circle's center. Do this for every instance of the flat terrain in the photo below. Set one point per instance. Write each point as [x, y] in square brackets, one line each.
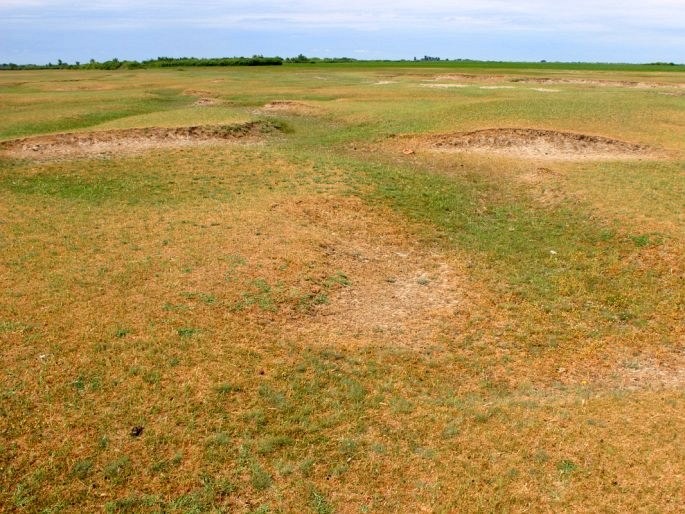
[342, 288]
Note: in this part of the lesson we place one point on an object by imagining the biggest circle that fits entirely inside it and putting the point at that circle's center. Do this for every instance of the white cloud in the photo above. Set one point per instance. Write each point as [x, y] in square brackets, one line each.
[583, 16]
[631, 30]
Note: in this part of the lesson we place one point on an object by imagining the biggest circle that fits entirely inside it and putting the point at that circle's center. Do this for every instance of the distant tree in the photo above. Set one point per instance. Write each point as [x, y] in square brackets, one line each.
[301, 58]
[162, 62]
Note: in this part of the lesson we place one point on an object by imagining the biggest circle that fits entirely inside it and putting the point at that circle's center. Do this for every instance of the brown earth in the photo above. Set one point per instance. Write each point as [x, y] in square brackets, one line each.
[594, 82]
[402, 293]
[205, 102]
[198, 92]
[129, 140]
[204, 98]
[471, 77]
[550, 80]
[442, 86]
[546, 144]
[399, 291]
[289, 107]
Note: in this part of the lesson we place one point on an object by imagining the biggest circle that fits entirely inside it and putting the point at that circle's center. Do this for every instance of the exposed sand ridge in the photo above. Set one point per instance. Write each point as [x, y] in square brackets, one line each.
[596, 82]
[548, 144]
[557, 81]
[131, 140]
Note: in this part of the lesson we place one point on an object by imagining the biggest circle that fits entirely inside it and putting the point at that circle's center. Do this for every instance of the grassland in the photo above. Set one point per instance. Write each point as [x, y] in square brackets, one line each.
[336, 318]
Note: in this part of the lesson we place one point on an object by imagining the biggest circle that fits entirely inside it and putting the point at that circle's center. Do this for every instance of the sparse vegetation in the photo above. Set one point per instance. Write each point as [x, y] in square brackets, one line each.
[331, 316]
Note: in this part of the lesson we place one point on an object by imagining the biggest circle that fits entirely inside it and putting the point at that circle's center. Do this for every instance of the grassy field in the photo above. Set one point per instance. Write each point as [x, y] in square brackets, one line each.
[337, 317]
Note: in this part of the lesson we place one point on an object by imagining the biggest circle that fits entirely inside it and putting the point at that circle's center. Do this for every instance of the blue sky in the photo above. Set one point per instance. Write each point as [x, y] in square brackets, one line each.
[40, 31]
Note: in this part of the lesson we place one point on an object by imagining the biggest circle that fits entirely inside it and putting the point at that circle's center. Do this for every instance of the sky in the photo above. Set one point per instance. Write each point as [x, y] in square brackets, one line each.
[42, 31]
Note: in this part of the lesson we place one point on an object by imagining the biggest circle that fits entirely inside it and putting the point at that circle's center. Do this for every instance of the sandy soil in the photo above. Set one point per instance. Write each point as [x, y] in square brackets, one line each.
[443, 86]
[600, 83]
[401, 293]
[550, 80]
[550, 144]
[289, 107]
[129, 140]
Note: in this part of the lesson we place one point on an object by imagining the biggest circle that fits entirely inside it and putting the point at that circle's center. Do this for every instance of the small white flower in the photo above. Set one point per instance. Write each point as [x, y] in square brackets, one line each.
[552, 252]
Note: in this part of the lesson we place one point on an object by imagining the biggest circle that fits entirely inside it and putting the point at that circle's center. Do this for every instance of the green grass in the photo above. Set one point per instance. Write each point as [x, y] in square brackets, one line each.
[131, 181]
[153, 101]
[557, 257]
[317, 322]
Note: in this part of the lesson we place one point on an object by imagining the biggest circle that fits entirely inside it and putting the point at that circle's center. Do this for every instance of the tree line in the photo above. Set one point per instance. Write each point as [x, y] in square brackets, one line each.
[159, 62]
[177, 62]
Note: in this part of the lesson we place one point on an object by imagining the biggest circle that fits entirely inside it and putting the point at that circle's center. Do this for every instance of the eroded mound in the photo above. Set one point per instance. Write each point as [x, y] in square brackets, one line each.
[470, 77]
[289, 107]
[557, 80]
[596, 82]
[131, 140]
[537, 143]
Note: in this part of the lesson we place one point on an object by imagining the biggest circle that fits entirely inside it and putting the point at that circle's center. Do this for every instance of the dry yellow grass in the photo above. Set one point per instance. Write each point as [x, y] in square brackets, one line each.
[323, 323]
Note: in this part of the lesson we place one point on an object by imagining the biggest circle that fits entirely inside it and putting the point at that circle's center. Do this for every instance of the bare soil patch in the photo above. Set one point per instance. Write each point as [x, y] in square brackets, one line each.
[442, 86]
[205, 98]
[470, 77]
[130, 140]
[401, 293]
[289, 107]
[206, 102]
[555, 81]
[594, 82]
[198, 92]
[548, 144]
[651, 374]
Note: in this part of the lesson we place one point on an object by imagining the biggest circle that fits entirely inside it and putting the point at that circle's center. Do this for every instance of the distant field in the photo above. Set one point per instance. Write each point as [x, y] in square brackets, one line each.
[510, 66]
[371, 287]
